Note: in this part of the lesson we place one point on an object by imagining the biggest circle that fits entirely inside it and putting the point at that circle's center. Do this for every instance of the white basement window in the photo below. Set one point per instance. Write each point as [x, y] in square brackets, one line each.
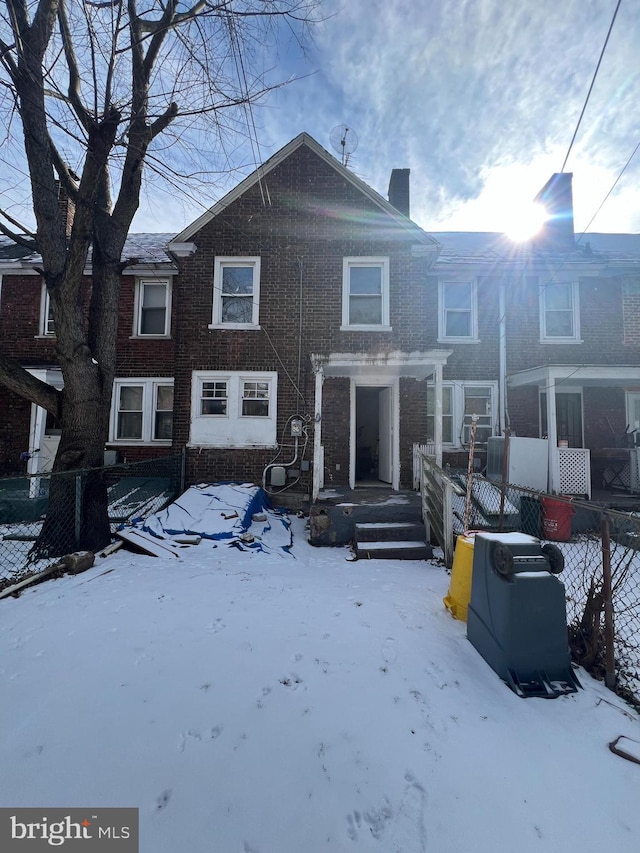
[233, 409]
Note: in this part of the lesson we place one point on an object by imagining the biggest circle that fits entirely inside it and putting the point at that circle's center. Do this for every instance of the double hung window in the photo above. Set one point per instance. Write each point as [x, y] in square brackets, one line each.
[47, 325]
[461, 401]
[236, 292]
[153, 301]
[458, 315]
[559, 312]
[142, 410]
[365, 294]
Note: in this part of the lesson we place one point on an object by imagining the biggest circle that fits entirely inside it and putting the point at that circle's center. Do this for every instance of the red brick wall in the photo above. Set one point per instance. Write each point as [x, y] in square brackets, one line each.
[313, 221]
[606, 338]
[14, 431]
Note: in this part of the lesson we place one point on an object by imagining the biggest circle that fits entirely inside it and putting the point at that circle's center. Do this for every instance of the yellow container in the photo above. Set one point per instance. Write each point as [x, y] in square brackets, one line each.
[459, 595]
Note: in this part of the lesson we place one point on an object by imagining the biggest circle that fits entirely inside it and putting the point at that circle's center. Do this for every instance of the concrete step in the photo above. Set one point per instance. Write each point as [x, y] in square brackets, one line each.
[385, 531]
[404, 549]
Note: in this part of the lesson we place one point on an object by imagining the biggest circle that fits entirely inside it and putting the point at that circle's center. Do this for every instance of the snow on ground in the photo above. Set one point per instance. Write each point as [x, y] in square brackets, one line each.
[252, 702]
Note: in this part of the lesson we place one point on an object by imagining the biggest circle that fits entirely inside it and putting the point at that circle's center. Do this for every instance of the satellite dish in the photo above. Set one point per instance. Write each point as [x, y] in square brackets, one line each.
[344, 140]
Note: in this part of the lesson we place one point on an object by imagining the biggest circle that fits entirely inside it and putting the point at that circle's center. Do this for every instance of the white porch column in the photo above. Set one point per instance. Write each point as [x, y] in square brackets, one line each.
[36, 434]
[318, 455]
[552, 435]
[437, 420]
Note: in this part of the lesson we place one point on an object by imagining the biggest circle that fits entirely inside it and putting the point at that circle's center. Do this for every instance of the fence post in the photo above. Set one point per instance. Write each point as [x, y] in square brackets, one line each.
[78, 512]
[183, 468]
[609, 634]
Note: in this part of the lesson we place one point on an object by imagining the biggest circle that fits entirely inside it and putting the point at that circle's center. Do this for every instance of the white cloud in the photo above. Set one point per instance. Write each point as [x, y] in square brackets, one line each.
[471, 94]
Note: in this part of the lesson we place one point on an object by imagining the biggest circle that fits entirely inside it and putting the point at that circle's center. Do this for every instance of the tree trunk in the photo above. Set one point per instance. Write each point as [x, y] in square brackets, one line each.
[77, 517]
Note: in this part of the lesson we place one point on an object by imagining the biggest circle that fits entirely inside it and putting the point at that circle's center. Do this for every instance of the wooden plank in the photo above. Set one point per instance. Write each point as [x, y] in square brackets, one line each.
[148, 544]
[55, 567]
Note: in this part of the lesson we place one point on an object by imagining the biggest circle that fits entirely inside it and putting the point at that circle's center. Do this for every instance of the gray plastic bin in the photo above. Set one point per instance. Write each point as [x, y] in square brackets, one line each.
[517, 617]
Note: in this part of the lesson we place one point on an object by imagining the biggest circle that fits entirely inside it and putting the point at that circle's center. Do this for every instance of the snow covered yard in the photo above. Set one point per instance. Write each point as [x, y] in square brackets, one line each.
[253, 702]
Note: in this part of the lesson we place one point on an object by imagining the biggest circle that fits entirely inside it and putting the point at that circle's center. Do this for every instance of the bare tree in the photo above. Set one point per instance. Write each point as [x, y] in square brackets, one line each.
[99, 89]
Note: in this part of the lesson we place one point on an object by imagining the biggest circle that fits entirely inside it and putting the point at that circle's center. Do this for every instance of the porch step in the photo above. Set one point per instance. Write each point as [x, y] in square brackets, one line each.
[384, 531]
[391, 541]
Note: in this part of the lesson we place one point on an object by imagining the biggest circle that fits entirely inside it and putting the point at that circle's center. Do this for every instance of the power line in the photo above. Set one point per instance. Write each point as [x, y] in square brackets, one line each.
[595, 74]
[613, 186]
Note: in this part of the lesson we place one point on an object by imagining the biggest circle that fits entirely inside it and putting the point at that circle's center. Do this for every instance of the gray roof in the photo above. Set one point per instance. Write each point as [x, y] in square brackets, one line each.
[491, 246]
[141, 248]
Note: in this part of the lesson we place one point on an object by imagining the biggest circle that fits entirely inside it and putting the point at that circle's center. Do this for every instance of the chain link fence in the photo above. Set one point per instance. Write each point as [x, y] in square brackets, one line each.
[134, 491]
[601, 549]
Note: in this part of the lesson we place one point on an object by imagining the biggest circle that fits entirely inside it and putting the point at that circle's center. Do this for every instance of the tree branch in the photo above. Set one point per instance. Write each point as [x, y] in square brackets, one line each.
[16, 237]
[172, 19]
[17, 379]
[163, 121]
[72, 65]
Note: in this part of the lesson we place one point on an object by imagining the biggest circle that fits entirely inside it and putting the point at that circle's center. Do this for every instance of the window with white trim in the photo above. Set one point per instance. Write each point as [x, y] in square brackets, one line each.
[236, 293]
[214, 397]
[365, 294]
[458, 314]
[460, 402]
[153, 308]
[233, 409]
[633, 410]
[142, 411]
[559, 312]
[47, 326]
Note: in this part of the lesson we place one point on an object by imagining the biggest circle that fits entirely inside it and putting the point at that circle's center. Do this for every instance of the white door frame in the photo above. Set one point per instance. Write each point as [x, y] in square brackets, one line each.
[394, 387]
[37, 427]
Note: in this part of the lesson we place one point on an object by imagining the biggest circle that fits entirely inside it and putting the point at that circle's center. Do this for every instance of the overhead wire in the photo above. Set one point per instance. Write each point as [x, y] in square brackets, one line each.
[595, 74]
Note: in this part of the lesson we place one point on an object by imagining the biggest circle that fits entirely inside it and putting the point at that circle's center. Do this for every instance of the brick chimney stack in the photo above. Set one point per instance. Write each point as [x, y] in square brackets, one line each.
[556, 197]
[398, 192]
[66, 209]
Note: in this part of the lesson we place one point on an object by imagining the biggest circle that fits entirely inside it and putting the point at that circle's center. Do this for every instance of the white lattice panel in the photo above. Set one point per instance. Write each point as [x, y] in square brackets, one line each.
[575, 471]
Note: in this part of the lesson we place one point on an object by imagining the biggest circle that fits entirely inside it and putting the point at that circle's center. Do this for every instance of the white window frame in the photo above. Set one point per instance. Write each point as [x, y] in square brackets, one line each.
[218, 381]
[365, 261]
[220, 264]
[632, 399]
[459, 429]
[233, 429]
[47, 328]
[139, 305]
[472, 337]
[150, 387]
[575, 311]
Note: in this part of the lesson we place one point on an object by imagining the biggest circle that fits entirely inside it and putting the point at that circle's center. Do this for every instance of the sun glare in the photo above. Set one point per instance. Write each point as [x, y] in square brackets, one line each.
[525, 222]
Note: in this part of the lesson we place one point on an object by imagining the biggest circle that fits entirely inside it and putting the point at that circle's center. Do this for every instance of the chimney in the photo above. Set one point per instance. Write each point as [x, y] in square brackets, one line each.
[556, 197]
[399, 190]
[66, 209]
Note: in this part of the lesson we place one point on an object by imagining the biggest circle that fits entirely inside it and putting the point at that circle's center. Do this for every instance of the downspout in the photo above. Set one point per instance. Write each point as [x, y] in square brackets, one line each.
[318, 458]
[300, 316]
[502, 359]
[552, 433]
[437, 419]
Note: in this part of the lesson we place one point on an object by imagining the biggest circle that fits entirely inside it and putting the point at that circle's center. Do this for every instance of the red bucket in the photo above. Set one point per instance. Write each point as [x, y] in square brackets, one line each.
[556, 519]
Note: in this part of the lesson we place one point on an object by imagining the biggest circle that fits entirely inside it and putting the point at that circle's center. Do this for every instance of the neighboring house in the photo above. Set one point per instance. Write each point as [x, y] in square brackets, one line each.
[141, 419]
[305, 333]
[546, 342]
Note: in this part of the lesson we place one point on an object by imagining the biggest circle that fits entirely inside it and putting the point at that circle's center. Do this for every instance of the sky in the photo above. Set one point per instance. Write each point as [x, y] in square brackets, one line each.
[478, 98]
[271, 702]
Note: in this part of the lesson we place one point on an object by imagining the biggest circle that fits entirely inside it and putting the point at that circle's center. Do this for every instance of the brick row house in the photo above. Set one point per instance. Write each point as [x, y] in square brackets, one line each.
[142, 415]
[555, 324]
[305, 333]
